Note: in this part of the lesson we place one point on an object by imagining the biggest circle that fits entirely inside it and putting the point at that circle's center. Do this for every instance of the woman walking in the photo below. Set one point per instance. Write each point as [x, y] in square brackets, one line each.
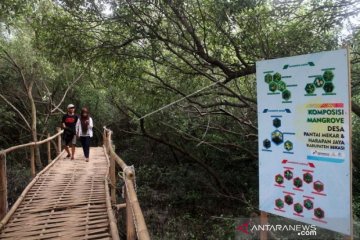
[84, 130]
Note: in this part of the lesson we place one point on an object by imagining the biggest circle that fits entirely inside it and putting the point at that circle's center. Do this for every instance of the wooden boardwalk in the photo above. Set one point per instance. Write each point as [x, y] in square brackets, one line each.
[68, 201]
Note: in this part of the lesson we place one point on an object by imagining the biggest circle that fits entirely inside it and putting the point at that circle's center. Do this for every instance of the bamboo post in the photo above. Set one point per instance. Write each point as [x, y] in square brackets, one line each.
[3, 186]
[120, 206]
[113, 181]
[23, 194]
[104, 137]
[141, 228]
[112, 173]
[113, 224]
[32, 161]
[49, 149]
[263, 221]
[58, 142]
[130, 227]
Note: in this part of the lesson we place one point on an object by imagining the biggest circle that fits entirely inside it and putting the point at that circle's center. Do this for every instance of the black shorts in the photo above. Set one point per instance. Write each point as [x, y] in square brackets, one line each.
[69, 138]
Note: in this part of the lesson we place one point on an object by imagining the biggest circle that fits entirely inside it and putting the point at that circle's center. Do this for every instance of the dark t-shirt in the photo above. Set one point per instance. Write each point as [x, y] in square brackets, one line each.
[70, 122]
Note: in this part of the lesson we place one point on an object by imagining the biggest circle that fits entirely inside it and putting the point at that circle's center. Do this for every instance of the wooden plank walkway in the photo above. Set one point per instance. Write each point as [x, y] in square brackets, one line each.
[68, 201]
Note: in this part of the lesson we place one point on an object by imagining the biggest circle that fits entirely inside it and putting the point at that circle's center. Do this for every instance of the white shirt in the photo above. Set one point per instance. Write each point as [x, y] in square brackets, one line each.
[79, 131]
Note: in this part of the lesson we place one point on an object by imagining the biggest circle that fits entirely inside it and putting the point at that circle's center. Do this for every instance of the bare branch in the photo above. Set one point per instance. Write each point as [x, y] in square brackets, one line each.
[16, 110]
[65, 93]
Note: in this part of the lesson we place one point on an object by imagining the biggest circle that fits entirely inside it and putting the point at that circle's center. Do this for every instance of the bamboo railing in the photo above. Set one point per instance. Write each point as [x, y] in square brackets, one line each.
[3, 170]
[135, 222]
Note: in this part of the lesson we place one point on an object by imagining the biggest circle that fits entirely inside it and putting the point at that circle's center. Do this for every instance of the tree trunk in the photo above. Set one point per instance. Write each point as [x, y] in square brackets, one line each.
[33, 125]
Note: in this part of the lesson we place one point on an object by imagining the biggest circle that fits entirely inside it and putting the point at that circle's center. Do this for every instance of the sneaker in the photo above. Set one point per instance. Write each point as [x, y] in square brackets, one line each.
[86, 160]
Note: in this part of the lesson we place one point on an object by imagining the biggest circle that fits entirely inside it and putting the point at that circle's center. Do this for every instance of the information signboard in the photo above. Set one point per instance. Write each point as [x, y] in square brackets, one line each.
[305, 138]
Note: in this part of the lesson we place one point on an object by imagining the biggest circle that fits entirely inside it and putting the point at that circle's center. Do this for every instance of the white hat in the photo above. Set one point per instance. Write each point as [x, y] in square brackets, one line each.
[70, 106]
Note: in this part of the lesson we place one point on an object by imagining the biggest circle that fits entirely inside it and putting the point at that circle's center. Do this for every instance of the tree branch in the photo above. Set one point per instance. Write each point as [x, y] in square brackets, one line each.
[16, 110]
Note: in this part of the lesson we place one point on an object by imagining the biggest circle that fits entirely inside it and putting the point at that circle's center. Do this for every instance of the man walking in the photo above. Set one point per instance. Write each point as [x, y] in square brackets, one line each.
[69, 125]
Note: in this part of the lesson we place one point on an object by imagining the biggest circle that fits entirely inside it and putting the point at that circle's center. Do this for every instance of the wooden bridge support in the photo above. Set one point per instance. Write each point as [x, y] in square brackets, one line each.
[58, 142]
[130, 227]
[113, 181]
[32, 161]
[105, 138]
[112, 170]
[48, 144]
[3, 186]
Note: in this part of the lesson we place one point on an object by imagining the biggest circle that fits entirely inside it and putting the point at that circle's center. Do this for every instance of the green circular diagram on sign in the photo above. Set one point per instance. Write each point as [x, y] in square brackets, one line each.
[277, 137]
[319, 213]
[272, 87]
[308, 204]
[268, 78]
[319, 82]
[266, 143]
[318, 186]
[298, 182]
[279, 179]
[288, 174]
[308, 178]
[276, 122]
[279, 203]
[310, 88]
[286, 95]
[288, 145]
[281, 86]
[328, 75]
[277, 77]
[328, 87]
[298, 208]
[289, 199]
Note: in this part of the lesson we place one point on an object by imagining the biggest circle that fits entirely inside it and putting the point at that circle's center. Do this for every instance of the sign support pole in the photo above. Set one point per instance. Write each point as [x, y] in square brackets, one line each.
[263, 221]
[351, 237]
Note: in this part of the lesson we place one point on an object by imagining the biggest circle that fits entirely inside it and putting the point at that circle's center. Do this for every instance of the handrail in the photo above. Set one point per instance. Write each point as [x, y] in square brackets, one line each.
[8, 215]
[134, 214]
[3, 170]
[126, 169]
[135, 219]
[113, 226]
[13, 148]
